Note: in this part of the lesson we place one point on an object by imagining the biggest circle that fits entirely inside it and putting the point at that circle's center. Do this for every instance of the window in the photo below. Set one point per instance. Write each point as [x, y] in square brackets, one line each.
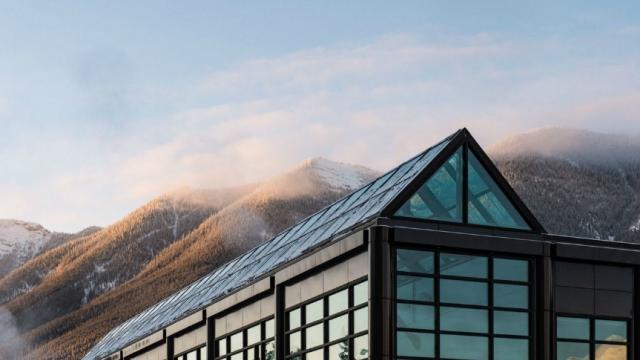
[196, 354]
[254, 342]
[591, 338]
[488, 205]
[440, 198]
[459, 306]
[335, 326]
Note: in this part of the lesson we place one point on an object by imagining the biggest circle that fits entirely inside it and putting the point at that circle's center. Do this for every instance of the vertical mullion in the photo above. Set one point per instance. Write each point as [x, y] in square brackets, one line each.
[465, 183]
[350, 317]
[325, 328]
[490, 284]
[436, 299]
[592, 344]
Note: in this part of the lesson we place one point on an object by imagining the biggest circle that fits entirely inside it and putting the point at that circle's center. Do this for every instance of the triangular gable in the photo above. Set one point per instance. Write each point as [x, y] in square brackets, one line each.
[463, 186]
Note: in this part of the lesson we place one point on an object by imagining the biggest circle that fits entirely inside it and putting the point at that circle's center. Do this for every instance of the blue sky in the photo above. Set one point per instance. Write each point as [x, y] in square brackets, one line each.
[106, 104]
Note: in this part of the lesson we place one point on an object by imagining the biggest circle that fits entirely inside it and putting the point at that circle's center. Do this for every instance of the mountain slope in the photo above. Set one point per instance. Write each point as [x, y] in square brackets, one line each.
[253, 218]
[65, 278]
[576, 182]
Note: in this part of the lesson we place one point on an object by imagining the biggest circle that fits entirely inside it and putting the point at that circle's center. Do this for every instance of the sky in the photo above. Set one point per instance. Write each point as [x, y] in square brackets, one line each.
[104, 105]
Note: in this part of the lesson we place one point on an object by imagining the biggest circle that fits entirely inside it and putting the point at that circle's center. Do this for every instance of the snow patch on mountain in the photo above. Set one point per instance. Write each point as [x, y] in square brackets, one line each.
[21, 238]
[340, 175]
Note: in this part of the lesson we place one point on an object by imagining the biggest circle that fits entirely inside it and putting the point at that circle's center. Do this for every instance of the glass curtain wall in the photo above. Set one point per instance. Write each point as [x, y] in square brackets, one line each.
[458, 306]
[254, 342]
[333, 327]
[591, 338]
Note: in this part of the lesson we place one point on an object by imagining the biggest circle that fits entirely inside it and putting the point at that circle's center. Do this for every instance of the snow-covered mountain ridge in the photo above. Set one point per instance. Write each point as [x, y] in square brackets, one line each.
[22, 237]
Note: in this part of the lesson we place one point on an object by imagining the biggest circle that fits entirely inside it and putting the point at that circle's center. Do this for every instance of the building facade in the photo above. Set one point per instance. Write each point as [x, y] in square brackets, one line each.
[436, 259]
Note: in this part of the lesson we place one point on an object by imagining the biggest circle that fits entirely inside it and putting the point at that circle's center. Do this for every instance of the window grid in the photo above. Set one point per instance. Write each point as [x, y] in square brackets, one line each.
[199, 353]
[325, 344]
[263, 349]
[490, 307]
[591, 341]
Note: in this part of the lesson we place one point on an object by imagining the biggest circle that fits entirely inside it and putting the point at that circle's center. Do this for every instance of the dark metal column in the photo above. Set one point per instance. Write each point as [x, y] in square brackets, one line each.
[280, 322]
[635, 329]
[543, 329]
[169, 340]
[211, 335]
[380, 294]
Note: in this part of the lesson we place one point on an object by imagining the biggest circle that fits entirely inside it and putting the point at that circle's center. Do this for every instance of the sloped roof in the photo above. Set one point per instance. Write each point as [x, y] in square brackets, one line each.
[335, 220]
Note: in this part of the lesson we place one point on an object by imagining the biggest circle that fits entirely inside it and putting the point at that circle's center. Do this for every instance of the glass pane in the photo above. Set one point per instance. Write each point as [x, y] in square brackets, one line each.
[339, 302]
[414, 261]
[314, 336]
[463, 292]
[294, 319]
[203, 353]
[295, 342]
[361, 320]
[222, 347]
[462, 319]
[440, 198]
[415, 316]
[339, 351]
[609, 330]
[315, 355]
[252, 353]
[338, 327]
[238, 356]
[463, 265]
[488, 205]
[510, 349]
[236, 341]
[360, 293]
[192, 355]
[415, 344]
[510, 323]
[611, 352]
[270, 350]
[314, 311]
[464, 347]
[572, 351]
[512, 296]
[414, 288]
[361, 347]
[572, 328]
[509, 269]
[254, 335]
[270, 328]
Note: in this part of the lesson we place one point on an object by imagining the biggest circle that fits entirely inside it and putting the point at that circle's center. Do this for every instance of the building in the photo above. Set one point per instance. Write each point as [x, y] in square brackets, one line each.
[436, 259]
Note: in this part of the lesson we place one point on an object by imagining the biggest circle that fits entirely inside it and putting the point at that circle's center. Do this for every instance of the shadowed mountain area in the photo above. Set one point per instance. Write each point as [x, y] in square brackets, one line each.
[576, 182]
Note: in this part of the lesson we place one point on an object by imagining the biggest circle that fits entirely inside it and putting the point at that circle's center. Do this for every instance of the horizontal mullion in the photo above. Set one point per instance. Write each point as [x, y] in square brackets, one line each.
[507, 336]
[463, 278]
[328, 344]
[425, 331]
[605, 342]
[574, 340]
[328, 318]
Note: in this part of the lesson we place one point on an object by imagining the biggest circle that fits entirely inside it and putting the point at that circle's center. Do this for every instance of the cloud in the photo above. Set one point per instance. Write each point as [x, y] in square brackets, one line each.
[374, 104]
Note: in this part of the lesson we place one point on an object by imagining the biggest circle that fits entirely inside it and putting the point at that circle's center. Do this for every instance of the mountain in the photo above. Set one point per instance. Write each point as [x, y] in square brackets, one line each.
[93, 283]
[576, 182]
[22, 240]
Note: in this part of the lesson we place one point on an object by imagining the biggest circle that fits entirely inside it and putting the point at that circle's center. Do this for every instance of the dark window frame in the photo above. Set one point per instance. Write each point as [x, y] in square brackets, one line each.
[592, 342]
[326, 344]
[489, 280]
[244, 350]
